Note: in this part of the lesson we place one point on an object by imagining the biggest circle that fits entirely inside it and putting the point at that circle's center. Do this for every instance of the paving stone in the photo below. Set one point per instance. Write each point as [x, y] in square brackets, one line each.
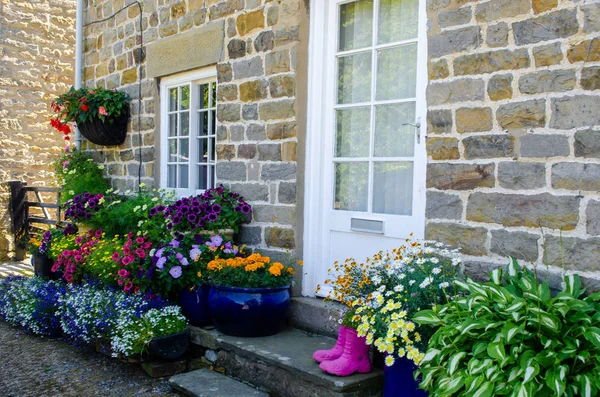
[206, 383]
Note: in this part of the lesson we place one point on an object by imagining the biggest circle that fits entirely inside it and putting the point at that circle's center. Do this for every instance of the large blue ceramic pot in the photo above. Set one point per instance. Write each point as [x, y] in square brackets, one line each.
[249, 311]
[398, 380]
[194, 304]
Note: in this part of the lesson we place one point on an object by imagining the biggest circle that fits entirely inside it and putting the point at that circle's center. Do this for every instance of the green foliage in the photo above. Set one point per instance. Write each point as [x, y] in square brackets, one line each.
[77, 173]
[84, 104]
[510, 337]
[100, 264]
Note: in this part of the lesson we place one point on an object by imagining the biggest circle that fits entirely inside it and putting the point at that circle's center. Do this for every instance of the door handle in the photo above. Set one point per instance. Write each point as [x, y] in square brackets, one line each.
[417, 126]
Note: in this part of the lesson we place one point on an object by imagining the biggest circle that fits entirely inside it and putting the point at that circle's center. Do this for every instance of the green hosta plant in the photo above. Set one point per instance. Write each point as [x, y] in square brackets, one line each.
[510, 337]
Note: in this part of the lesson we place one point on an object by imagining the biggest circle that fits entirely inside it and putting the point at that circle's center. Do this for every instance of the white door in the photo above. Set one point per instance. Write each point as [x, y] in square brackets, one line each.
[366, 153]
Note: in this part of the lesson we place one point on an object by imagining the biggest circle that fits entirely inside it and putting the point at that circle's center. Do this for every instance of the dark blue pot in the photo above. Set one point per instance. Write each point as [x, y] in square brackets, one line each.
[398, 380]
[249, 311]
[194, 304]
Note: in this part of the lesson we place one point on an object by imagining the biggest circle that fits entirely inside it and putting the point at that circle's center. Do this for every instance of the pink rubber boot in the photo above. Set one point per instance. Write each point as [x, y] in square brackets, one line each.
[336, 351]
[355, 357]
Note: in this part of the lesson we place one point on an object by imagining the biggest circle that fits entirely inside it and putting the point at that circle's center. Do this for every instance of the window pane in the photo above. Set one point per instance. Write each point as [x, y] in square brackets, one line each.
[354, 78]
[213, 102]
[352, 132]
[173, 124]
[213, 122]
[172, 99]
[203, 100]
[393, 188]
[202, 150]
[202, 177]
[184, 119]
[172, 176]
[184, 150]
[213, 173]
[397, 72]
[172, 150]
[202, 123]
[212, 149]
[391, 138]
[183, 176]
[356, 25]
[351, 186]
[185, 97]
[398, 20]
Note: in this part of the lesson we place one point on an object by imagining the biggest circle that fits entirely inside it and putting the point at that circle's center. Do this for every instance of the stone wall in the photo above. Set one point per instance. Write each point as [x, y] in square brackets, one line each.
[37, 41]
[514, 132]
[258, 99]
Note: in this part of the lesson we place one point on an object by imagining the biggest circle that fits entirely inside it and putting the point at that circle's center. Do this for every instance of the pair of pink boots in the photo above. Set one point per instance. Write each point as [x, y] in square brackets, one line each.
[349, 355]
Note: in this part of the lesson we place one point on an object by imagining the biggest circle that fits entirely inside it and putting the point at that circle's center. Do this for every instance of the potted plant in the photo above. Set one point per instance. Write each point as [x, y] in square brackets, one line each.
[509, 336]
[42, 264]
[249, 296]
[101, 115]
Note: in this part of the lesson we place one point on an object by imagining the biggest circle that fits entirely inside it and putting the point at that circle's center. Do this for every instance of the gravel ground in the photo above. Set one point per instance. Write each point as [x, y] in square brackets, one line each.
[35, 366]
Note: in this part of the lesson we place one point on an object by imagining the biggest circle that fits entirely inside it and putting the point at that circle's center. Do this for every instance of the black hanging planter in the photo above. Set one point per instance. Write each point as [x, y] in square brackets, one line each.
[170, 347]
[105, 133]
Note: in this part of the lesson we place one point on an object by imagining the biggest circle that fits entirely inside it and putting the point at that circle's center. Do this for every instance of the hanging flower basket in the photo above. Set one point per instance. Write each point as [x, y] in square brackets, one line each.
[105, 133]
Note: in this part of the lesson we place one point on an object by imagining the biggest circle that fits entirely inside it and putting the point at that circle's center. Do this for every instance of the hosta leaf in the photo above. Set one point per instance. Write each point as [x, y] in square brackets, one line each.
[496, 350]
[546, 320]
[454, 361]
[474, 384]
[510, 330]
[531, 372]
[544, 292]
[593, 335]
[513, 267]
[452, 384]
[476, 287]
[522, 391]
[546, 358]
[514, 374]
[430, 355]
[428, 317]
[554, 382]
[496, 276]
[515, 306]
[480, 367]
[586, 386]
[573, 285]
[479, 348]
[485, 390]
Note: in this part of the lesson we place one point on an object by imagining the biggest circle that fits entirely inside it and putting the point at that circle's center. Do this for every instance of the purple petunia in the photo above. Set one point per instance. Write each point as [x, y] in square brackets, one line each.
[175, 271]
[161, 262]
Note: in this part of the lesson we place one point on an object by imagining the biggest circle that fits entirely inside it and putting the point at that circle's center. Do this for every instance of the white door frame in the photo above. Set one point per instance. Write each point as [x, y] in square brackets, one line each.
[322, 31]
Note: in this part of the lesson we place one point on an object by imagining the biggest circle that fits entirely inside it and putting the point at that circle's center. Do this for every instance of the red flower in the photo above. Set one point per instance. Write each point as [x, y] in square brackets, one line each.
[85, 108]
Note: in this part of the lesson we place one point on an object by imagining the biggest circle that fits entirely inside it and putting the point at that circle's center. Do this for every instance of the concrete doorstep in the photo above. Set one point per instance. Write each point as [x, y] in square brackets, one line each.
[207, 383]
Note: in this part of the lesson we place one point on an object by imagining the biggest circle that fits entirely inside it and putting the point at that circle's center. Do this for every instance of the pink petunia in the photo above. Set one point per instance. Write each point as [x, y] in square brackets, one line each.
[78, 258]
[126, 261]
[139, 240]
[116, 256]
[128, 286]
[69, 277]
[147, 245]
[141, 253]
[102, 111]
[123, 273]
[126, 250]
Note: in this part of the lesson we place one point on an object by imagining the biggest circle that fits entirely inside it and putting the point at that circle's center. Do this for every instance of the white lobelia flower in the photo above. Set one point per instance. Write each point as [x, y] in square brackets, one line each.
[426, 282]
[436, 270]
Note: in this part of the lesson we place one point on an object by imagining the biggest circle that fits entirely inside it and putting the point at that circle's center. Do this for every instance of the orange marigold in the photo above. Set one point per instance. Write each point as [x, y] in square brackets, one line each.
[275, 270]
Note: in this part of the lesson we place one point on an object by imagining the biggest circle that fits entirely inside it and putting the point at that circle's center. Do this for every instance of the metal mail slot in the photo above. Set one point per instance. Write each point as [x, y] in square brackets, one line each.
[366, 225]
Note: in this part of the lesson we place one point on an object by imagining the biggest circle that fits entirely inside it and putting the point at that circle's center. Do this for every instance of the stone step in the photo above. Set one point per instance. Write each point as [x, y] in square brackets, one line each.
[315, 316]
[206, 383]
[282, 364]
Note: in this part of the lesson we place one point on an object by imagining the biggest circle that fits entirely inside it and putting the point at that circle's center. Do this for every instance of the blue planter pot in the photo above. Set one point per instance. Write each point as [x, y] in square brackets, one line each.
[398, 380]
[194, 304]
[249, 311]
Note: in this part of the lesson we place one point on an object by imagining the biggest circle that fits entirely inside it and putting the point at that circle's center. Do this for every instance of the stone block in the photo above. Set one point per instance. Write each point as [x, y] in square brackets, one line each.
[556, 25]
[438, 69]
[501, 9]
[472, 119]
[500, 87]
[205, 383]
[288, 151]
[591, 17]
[227, 92]
[593, 217]
[255, 90]
[443, 205]
[247, 151]
[275, 110]
[460, 90]
[519, 245]
[587, 143]
[590, 78]
[534, 211]
[277, 62]
[471, 240]
[231, 171]
[250, 111]
[269, 152]
[272, 15]
[129, 76]
[572, 253]
[443, 148]
[497, 35]
[236, 132]
[256, 132]
[228, 112]
[245, 68]
[460, 176]
[279, 237]
[274, 214]
[490, 62]
[489, 146]
[251, 235]
[281, 130]
[287, 193]
[278, 172]
[225, 8]
[249, 21]
[535, 145]
[575, 111]
[224, 72]
[434, 5]
[454, 41]
[439, 121]
[519, 115]
[236, 48]
[282, 86]
[576, 176]
[547, 81]
[585, 51]
[161, 369]
[252, 191]
[540, 6]
[225, 152]
[520, 176]
[547, 55]
[460, 16]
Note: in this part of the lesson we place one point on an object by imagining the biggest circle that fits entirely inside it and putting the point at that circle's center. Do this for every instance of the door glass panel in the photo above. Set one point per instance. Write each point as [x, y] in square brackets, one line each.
[173, 124]
[202, 177]
[213, 176]
[172, 99]
[351, 186]
[172, 176]
[392, 139]
[213, 96]
[353, 132]
[398, 20]
[172, 150]
[185, 124]
[185, 97]
[393, 187]
[202, 151]
[397, 72]
[203, 97]
[202, 123]
[356, 25]
[184, 150]
[354, 78]
[213, 117]
[183, 176]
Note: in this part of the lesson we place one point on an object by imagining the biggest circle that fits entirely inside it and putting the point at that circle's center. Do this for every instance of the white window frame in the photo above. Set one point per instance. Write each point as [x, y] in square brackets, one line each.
[193, 79]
